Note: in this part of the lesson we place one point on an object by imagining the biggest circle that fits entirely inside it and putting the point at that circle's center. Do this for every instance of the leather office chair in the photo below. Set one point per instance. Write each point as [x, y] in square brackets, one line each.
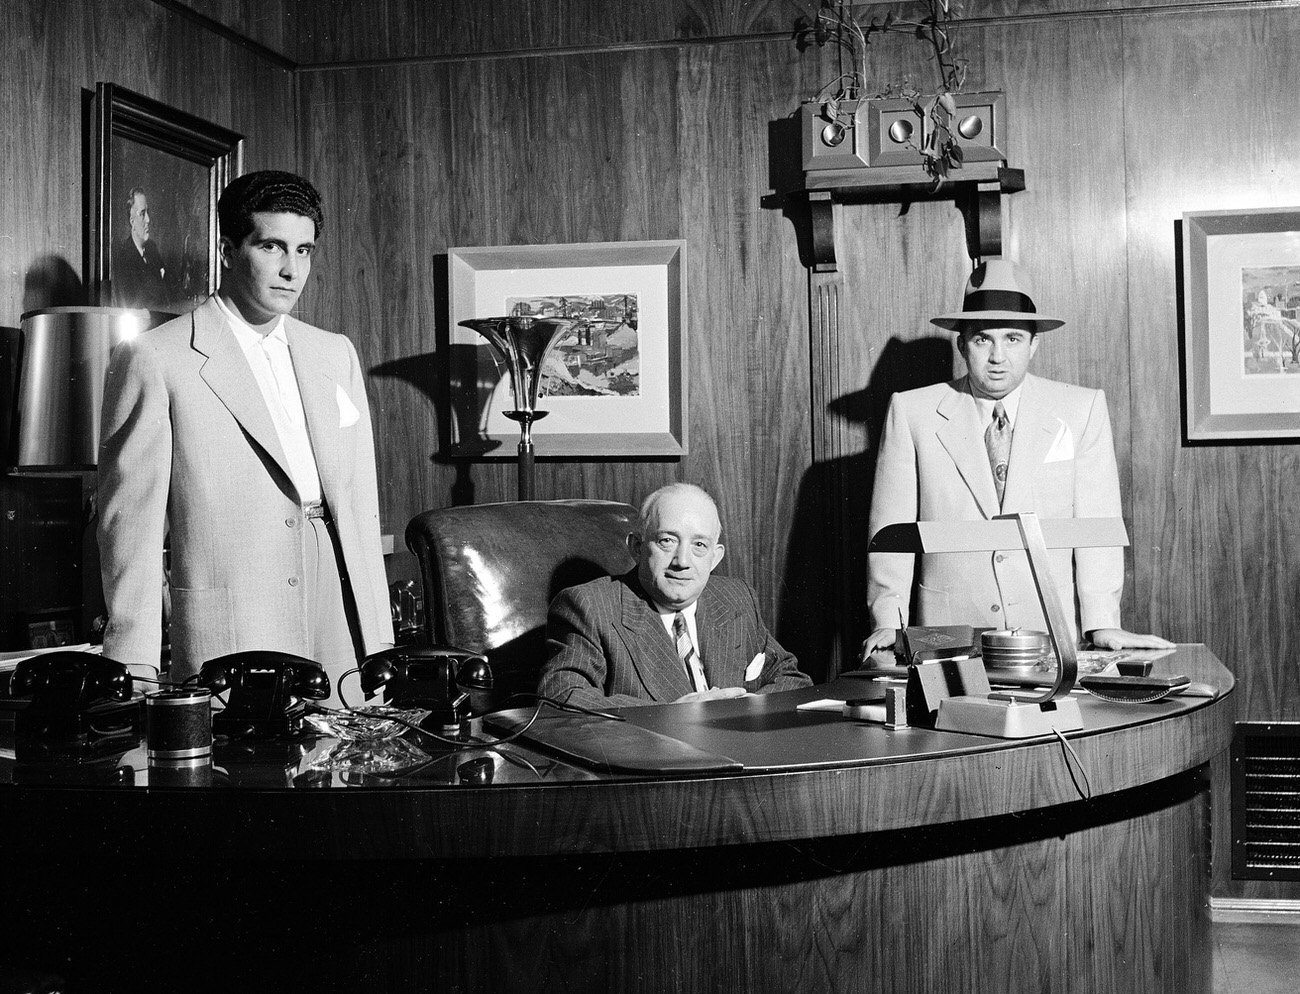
[491, 570]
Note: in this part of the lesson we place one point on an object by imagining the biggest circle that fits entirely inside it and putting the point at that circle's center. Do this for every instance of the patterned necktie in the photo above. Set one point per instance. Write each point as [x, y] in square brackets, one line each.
[685, 650]
[997, 439]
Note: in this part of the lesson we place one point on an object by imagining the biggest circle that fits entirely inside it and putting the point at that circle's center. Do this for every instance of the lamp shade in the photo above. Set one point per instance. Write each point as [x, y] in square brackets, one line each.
[65, 354]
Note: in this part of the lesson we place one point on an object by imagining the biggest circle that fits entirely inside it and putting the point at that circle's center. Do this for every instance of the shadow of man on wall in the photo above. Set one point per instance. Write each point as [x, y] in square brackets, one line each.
[823, 615]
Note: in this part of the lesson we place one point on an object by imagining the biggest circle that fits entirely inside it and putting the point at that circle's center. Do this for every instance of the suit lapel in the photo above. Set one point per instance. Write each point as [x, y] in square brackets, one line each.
[719, 630]
[1035, 429]
[229, 376]
[960, 435]
[319, 404]
[650, 647]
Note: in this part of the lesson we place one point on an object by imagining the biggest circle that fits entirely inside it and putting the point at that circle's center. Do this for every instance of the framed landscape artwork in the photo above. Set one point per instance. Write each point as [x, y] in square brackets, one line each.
[613, 385]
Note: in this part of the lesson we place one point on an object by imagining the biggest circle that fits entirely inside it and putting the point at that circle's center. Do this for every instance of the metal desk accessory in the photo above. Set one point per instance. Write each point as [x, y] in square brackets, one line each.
[978, 710]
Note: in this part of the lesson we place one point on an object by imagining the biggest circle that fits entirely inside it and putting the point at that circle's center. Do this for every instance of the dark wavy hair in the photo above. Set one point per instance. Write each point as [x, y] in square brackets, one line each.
[267, 191]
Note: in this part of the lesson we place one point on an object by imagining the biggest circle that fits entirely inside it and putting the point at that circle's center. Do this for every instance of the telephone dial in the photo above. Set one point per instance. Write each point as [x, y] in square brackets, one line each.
[267, 689]
[438, 678]
[74, 693]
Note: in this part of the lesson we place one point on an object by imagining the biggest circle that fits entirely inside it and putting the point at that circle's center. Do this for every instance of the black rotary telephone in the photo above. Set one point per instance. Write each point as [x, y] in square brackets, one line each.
[437, 678]
[267, 692]
[73, 693]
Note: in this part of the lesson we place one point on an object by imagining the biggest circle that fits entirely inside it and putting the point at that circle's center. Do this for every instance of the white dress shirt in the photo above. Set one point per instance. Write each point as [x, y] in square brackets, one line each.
[984, 405]
[272, 366]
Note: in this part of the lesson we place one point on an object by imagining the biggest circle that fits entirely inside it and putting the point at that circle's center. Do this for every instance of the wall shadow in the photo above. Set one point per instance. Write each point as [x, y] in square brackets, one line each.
[823, 615]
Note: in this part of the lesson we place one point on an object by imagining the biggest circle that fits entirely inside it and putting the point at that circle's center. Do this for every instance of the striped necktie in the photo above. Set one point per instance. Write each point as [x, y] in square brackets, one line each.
[686, 652]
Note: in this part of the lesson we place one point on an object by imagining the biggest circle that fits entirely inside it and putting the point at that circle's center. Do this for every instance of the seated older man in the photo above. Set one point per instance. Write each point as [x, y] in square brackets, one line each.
[669, 630]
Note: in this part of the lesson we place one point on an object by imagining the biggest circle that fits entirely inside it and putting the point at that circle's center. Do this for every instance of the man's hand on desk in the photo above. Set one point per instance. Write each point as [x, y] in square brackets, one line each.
[1117, 638]
[881, 638]
[713, 694]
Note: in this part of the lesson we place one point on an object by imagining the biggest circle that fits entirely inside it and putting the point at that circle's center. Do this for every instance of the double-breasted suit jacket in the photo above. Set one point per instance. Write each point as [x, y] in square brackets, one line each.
[933, 466]
[190, 454]
[608, 646]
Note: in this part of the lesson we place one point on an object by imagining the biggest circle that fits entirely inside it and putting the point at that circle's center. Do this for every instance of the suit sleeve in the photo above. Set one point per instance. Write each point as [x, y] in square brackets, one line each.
[377, 630]
[893, 500]
[780, 667]
[1098, 573]
[135, 456]
[576, 670]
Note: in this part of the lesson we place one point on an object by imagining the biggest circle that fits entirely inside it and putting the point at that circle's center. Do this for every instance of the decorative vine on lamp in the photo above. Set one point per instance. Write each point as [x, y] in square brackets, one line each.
[835, 24]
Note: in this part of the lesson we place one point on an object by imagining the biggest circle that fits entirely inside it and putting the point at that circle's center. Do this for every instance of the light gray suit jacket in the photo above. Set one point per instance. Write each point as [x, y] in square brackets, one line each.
[933, 466]
[608, 646]
[189, 449]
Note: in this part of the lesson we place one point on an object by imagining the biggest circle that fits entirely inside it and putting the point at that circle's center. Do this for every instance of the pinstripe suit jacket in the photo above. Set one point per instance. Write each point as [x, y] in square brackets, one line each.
[189, 449]
[933, 466]
[608, 646]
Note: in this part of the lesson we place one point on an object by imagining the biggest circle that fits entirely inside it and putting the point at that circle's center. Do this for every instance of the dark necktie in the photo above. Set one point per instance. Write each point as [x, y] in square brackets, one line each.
[997, 439]
[685, 650]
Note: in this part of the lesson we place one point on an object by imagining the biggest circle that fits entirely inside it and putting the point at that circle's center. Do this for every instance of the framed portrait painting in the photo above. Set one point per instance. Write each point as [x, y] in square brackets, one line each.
[157, 174]
[614, 382]
[1241, 308]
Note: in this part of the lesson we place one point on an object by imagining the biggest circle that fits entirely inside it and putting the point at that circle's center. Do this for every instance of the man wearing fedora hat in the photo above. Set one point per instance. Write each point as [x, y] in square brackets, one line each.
[995, 441]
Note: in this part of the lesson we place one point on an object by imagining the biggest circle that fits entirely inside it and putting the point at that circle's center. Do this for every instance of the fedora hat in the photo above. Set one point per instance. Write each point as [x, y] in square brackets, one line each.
[996, 293]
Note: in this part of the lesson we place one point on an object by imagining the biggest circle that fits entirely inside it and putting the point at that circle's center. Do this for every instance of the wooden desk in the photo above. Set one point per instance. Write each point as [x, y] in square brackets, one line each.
[932, 862]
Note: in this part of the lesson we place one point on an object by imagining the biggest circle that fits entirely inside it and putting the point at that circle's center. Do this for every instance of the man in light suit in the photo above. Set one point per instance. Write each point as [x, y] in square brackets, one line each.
[242, 436]
[1054, 456]
[656, 635]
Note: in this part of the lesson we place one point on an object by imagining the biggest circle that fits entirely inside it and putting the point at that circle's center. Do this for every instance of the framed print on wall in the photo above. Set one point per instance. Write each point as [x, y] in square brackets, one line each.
[157, 174]
[1241, 307]
[615, 383]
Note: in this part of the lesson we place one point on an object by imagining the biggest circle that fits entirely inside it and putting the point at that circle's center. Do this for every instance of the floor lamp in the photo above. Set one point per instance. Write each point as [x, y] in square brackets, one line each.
[523, 343]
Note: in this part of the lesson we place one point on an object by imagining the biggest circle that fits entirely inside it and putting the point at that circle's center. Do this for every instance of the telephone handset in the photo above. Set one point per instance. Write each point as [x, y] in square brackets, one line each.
[74, 695]
[70, 679]
[267, 689]
[438, 678]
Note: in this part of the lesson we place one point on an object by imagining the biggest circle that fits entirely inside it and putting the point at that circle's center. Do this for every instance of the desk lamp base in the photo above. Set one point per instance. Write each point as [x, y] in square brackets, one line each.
[1008, 718]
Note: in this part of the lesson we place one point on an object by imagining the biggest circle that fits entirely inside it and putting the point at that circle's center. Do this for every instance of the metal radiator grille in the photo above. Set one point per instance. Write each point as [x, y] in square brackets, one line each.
[1266, 801]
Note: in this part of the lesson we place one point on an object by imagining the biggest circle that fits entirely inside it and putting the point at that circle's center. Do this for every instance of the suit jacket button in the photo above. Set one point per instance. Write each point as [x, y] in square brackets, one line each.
[293, 581]
[1000, 558]
[993, 607]
[290, 522]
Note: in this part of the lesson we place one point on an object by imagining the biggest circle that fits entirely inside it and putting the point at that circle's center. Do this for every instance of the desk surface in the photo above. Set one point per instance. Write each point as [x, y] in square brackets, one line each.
[913, 860]
[913, 776]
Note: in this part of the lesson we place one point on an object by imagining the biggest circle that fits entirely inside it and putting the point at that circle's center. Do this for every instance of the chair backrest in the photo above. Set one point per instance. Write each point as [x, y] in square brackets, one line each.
[490, 571]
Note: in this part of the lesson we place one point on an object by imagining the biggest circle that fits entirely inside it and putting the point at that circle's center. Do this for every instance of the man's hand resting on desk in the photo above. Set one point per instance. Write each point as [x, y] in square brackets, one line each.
[712, 694]
[881, 638]
[1117, 638]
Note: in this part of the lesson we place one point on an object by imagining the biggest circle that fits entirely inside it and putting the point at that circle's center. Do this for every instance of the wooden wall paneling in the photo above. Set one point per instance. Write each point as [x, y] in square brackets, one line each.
[750, 443]
[1067, 228]
[1210, 103]
[376, 146]
[329, 31]
[40, 100]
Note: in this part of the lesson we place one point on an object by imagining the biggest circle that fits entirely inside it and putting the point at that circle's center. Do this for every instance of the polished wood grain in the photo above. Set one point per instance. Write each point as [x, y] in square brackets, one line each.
[937, 861]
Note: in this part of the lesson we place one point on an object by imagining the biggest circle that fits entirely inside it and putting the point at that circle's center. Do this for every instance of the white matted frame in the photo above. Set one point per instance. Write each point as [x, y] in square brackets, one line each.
[1241, 308]
[485, 281]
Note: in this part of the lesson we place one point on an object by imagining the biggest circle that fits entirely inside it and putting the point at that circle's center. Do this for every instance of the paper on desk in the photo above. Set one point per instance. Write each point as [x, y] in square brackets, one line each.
[826, 704]
[862, 712]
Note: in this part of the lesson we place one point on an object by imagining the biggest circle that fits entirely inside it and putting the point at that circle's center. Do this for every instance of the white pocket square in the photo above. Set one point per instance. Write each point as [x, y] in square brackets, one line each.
[348, 413]
[1062, 445]
[755, 668]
